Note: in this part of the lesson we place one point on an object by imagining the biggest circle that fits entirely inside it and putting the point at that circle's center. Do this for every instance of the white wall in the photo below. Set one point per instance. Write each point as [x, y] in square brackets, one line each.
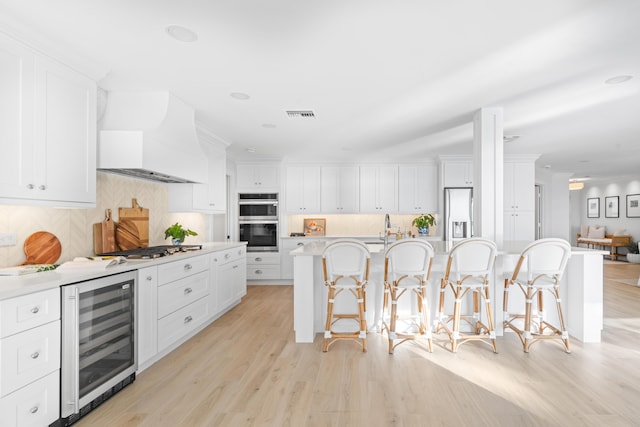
[556, 206]
[619, 187]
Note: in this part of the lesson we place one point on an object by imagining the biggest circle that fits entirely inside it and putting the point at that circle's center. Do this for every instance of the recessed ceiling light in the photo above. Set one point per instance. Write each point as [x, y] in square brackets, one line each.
[181, 33]
[618, 79]
[251, 150]
[268, 125]
[239, 95]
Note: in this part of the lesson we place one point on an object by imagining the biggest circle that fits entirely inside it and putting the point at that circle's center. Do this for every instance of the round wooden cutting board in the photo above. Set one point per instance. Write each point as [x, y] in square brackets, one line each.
[42, 247]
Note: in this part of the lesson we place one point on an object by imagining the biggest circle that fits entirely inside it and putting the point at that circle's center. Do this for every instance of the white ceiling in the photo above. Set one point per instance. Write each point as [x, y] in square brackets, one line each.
[394, 80]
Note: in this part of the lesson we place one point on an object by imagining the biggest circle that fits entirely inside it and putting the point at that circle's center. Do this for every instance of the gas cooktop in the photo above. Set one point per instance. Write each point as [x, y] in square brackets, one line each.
[154, 251]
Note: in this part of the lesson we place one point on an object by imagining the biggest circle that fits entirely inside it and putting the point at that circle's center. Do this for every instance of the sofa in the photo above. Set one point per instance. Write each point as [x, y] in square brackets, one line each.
[596, 238]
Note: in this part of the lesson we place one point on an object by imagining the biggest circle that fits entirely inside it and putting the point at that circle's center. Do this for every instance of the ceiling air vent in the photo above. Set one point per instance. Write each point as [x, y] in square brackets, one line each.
[301, 114]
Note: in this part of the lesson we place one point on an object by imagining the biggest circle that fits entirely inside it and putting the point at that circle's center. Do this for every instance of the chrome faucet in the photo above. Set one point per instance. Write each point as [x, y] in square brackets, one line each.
[387, 226]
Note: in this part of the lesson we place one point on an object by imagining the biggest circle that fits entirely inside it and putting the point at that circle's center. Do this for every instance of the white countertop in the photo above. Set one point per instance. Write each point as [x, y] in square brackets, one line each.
[514, 247]
[13, 286]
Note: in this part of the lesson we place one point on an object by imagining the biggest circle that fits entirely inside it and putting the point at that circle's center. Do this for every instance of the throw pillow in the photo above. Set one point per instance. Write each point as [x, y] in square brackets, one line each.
[596, 232]
[620, 232]
[584, 230]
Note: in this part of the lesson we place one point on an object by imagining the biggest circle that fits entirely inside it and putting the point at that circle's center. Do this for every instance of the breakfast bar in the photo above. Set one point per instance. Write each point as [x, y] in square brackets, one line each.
[581, 288]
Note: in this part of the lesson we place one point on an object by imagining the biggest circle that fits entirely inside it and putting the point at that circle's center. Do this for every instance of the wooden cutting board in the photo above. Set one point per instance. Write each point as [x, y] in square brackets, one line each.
[137, 223]
[127, 235]
[42, 247]
[104, 235]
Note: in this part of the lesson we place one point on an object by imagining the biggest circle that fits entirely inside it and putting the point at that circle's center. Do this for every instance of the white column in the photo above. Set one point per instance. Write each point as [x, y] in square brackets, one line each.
[488, 174]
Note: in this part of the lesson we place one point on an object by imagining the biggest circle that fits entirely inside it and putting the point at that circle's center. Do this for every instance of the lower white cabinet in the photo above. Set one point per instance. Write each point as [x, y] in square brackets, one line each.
[286, 260]
[34, 405]
[231, 277]
[147, 314]
[30, 359]
[263, 265]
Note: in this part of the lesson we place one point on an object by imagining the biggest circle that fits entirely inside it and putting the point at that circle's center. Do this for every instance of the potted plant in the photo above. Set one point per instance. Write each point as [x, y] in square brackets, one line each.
[632, 253]
[178, 233]
[423, 222]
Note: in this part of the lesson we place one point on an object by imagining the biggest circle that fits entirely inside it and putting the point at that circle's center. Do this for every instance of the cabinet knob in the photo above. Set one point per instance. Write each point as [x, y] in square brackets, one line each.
[188, 266]
[42, 187]
[149, 278]
[227, 256]
[187, 291]
[235, 266]
[35, 310]
[215, 260]
[258, 259]
[34, 410]
[30, 186]
[300, 244]
[258, 271]
[35, 355]
[188, 319]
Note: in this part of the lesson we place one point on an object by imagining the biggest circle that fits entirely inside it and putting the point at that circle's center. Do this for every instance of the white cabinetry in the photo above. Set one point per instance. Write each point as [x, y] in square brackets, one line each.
[519, 199]
[378, 189]
[418, 188]
[182, 303]
[231, 277]
[286, 260]
[210, 197]
[30, 359]
[457, 173]
[263, 265]
[147, 287]
[339, 189]
[303, 189]
[47, 130]
[255, 177]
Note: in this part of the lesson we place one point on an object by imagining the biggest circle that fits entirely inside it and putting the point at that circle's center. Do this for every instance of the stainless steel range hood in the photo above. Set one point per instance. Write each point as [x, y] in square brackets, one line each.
[151, 135]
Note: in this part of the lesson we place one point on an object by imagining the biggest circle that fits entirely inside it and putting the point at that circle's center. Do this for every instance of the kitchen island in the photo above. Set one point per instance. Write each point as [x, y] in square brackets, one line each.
[581, 288]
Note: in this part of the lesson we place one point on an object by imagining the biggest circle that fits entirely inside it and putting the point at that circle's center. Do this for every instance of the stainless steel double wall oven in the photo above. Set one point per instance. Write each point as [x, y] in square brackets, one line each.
[258, 221]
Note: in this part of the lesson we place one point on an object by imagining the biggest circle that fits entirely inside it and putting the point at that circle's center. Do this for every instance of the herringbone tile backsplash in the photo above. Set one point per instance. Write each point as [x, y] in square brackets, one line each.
[74, 227]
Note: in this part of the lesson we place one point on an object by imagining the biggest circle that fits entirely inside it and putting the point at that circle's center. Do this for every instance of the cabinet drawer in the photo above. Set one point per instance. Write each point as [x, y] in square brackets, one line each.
[258, 272]
[182, 292]
[36, 405]
[28, 311]
[28, 356]
[179, 323]
[259, 258]
[228, 255]
[177, 270]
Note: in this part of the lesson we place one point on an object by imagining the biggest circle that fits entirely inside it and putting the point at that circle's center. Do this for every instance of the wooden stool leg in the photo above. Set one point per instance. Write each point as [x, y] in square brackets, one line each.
[363, 319]
[455, 334]
[327, 328]
[425, 322]
[527, 319]
[492, 332]
[394, 315]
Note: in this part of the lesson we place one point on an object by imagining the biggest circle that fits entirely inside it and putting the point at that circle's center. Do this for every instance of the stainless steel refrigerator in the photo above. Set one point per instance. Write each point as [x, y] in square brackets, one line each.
[458, 213]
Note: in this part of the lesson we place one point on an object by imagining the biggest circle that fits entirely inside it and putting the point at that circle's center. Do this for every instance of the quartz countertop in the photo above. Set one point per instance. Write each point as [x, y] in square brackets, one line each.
[13, 286]
[511, 247]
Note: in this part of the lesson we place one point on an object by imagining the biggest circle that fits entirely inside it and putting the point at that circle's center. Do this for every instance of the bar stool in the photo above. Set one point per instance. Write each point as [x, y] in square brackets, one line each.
[540, 268]
[345, 266]
[407, 264]
[470, 263]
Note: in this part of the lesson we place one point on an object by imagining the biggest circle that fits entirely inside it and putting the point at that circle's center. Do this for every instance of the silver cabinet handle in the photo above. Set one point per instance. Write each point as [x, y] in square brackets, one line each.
[258, 259]
[187, 291]
[188, 267]
[33, 410]
[149, 278]
[215, 260]
[30, 186]
[227, 256]
[258, 271]
[35, 355]
[300, 244]
[35, 310]
[42, 187]
[235, 266]
[188, 319]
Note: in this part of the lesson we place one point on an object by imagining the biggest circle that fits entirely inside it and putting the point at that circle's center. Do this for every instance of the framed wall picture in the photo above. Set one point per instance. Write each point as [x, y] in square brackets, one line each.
[593, 207]
[315, 226]
[633, 206]
[611, 206]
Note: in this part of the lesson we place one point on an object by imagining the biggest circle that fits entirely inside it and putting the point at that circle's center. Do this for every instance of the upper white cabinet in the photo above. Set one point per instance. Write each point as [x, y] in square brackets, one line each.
[47, 130]
[378, 189]
[256, 177]
[339, 189]
[457, 173]
[303, 189]
[210, 197]
[418, 188]
[519, 199]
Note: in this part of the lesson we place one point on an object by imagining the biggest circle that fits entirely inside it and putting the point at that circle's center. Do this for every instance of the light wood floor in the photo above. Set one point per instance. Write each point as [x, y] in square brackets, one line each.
[246, 370]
